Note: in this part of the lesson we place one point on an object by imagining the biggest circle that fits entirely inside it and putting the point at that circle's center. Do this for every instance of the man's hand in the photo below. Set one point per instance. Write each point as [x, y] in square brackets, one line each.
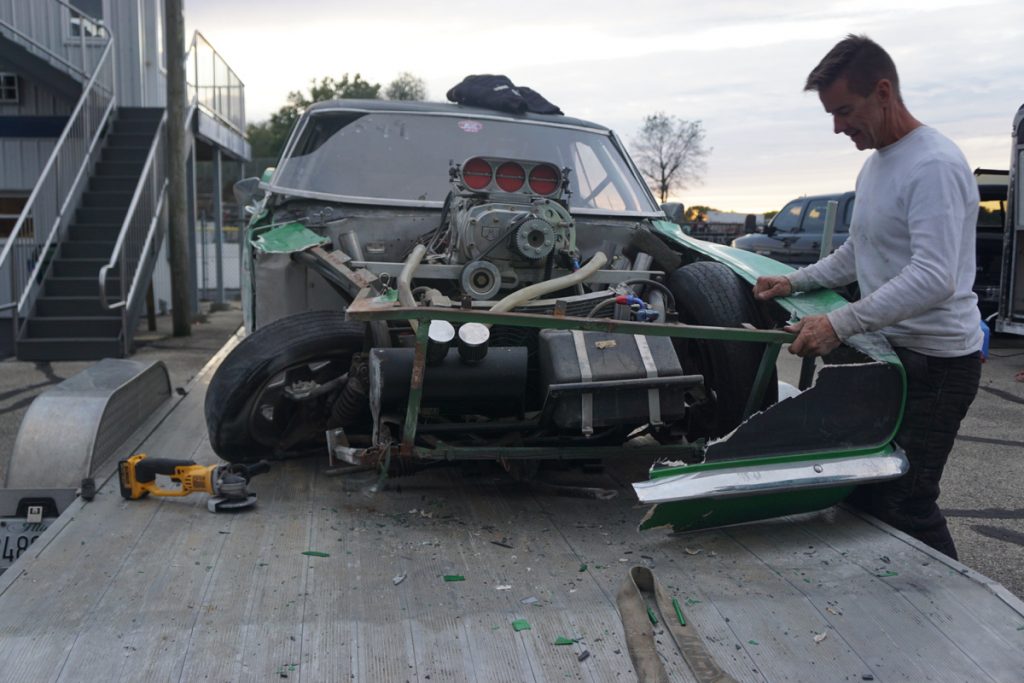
[771, 286]
[814, 336]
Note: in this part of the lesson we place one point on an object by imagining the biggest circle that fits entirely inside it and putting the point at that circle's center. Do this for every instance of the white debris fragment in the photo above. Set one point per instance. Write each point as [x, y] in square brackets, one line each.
[503, 588]
[820, 637]
[691, 551]
[398, 579]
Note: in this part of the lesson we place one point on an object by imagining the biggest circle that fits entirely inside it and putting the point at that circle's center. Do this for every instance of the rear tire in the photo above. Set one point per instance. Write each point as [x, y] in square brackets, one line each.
[248, 417]
[710, 294]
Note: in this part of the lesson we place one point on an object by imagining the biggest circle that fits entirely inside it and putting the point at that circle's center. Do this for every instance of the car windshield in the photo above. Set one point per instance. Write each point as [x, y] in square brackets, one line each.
[403, 158]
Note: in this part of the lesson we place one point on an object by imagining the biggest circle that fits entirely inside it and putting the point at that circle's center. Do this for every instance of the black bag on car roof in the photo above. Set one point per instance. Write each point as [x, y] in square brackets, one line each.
[500, 93]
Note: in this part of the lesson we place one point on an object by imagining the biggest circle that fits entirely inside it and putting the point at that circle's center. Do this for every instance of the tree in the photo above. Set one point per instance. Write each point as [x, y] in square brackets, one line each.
[768, 215]
[406, 87]
[670, 153]
[267, 138]
[697, 210]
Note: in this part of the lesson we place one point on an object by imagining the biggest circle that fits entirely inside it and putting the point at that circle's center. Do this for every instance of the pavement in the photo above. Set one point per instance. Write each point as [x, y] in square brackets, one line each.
[980, 490]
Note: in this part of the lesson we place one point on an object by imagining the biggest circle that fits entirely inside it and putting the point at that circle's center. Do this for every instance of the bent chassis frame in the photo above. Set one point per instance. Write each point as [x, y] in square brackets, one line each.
[800, 454]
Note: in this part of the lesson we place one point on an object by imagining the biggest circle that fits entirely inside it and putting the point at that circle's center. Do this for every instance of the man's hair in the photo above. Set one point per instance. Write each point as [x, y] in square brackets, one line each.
[858, 59]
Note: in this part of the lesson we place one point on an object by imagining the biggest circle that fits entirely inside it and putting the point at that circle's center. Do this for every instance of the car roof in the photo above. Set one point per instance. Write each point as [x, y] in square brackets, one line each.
[418, 107]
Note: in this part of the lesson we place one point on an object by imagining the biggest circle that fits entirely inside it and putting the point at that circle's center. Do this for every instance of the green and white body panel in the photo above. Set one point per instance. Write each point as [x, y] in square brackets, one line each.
[804, 453]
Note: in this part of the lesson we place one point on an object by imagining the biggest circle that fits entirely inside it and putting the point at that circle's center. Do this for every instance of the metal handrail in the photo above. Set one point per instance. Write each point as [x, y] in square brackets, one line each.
[52, 172]
[233, 115]
[117, 253]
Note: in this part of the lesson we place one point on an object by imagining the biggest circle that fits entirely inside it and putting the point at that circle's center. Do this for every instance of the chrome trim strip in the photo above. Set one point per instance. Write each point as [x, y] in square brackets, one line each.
[773, 478]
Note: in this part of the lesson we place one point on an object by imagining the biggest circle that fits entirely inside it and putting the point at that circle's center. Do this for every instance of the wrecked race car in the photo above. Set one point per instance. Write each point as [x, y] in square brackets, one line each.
[427, 282]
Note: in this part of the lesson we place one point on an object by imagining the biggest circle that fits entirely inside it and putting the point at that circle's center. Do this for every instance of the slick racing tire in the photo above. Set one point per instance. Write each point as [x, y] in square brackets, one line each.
[710, 294]
[249, 414]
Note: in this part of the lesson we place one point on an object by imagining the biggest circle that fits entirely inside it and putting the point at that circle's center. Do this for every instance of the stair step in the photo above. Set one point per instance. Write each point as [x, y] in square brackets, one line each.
[73, 326]
[130, 140]
[113, 183]
[107, 199]
[70, 306]
[139, 113]
[133, 128]
[80, 232]
[89, 250]
[124, 154]
[119, 168]
[79, 348]
[81, 286]
[101, 215]
[78, 267]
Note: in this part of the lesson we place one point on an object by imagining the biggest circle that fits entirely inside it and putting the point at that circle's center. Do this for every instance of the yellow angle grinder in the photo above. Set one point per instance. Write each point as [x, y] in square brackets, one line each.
[226, 484]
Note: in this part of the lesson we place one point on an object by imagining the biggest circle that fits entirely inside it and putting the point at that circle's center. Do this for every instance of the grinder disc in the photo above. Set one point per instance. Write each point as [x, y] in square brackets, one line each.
[221, 504]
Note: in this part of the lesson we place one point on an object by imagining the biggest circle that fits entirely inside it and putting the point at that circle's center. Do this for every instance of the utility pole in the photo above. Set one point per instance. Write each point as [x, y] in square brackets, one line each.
[181, 314]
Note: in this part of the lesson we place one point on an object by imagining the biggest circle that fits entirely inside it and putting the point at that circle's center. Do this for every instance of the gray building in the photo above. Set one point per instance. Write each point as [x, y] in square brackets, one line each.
[83, 176]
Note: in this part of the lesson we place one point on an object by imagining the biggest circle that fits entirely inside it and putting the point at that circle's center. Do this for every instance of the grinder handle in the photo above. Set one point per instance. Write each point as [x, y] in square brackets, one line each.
[147, 468]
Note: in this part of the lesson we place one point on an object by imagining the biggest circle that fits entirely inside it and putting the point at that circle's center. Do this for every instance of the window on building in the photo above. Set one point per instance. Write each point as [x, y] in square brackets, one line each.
[10, 209]
[85, 22]
[8, 88]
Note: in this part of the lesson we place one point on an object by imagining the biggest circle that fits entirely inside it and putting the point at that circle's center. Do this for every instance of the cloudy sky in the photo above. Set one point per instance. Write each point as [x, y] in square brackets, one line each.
[736, 65]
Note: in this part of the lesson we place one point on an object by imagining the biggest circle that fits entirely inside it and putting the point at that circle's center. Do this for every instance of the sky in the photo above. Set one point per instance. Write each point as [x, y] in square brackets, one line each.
[738, 66]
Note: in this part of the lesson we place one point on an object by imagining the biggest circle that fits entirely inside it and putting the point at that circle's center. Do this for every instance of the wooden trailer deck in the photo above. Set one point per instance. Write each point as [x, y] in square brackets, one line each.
[162, 590]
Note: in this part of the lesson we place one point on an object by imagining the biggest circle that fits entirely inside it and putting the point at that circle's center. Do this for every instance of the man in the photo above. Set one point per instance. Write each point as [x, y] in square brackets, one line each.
[911, 250]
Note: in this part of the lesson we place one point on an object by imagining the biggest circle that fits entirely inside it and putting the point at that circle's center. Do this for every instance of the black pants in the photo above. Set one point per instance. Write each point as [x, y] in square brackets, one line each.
[939, 392]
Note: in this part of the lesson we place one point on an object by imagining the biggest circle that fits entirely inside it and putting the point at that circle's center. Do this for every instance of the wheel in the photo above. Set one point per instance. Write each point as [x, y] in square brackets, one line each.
[249, 413]
[709, 293]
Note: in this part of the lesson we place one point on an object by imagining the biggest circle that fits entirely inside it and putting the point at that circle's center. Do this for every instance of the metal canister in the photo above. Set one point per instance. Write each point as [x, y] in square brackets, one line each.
[473, 338]
[439, 340]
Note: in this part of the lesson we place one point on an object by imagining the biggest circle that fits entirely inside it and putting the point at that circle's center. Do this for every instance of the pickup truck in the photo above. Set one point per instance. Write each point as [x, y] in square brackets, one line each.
[793, 236]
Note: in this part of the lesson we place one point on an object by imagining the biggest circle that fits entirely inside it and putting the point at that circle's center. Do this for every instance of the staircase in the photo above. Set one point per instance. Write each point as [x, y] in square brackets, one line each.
[68, 322]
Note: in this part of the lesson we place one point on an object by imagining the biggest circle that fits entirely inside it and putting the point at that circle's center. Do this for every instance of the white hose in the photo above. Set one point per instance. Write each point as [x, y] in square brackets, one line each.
[405, 296]
[534, 291]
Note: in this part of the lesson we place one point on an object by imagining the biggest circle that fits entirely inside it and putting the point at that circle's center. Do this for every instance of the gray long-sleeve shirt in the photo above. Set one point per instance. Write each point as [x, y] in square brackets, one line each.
[911, 249]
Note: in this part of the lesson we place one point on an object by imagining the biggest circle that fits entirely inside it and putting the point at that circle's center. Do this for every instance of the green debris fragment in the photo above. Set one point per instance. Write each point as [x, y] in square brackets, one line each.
[315, 553]
[886, 574]
[1020, 628]
[285, 669]
[679, 612]
[288, 238]
[690, 602]
[454, 577]
[753, 642]
[521, 625]
[583, 566]
[652, 616]
[562, 640]
[390, 295]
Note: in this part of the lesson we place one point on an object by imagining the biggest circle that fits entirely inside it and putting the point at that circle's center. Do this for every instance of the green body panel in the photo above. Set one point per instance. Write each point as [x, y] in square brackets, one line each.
[691, 515]
[287, 239]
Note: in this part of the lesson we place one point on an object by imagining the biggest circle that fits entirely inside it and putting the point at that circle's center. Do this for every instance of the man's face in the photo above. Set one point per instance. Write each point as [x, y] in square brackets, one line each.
[861, 118]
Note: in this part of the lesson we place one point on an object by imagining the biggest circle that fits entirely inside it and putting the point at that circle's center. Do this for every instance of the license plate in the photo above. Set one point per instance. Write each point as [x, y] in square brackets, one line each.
[16, 535]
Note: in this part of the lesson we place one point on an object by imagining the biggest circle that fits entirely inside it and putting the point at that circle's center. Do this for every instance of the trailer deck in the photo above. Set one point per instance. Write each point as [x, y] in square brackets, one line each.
[161, 589]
